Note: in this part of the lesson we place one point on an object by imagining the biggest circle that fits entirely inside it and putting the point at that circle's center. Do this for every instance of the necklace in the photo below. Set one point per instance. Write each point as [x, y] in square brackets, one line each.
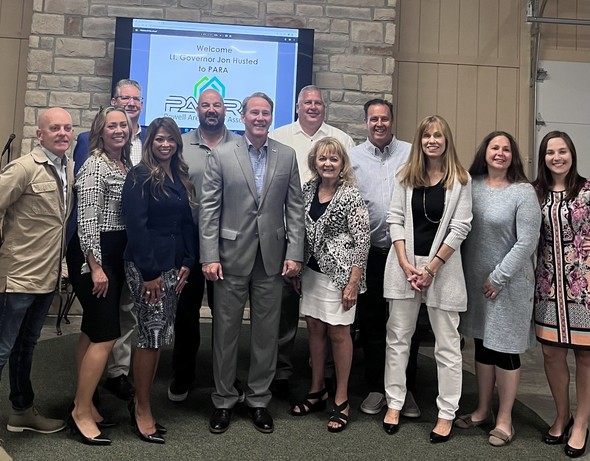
[424, 207]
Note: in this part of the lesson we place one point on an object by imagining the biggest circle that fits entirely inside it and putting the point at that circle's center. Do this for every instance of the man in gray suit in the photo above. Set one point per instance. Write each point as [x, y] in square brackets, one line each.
[252, 231]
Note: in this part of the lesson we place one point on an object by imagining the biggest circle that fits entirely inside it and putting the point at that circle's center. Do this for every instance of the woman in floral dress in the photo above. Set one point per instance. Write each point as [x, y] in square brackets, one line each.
[562, 296]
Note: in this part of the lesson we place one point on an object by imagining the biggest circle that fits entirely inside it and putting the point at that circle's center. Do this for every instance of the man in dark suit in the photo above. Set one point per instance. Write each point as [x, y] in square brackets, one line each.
[127, 94]
[252, 232]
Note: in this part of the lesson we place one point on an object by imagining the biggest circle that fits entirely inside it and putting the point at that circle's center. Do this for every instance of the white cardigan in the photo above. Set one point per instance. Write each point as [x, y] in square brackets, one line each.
[447, 290]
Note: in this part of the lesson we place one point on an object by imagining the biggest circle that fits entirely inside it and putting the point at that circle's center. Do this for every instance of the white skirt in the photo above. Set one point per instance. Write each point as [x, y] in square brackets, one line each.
[321, 299]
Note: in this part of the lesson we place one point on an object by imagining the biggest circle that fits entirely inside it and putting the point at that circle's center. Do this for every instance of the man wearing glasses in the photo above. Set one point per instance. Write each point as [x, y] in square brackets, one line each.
[127, 94]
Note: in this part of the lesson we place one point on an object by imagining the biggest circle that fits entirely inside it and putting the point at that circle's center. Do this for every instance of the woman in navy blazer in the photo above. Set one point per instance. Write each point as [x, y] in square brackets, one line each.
[157, 197]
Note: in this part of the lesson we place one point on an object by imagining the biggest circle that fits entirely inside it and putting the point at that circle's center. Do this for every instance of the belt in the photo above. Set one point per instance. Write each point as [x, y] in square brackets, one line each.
[382, 251]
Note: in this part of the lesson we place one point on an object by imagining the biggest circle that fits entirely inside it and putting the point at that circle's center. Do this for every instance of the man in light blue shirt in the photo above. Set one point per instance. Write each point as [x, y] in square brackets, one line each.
[375, 163]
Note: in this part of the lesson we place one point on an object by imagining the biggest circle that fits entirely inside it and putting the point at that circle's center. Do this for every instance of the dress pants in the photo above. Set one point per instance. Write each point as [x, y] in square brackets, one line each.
[288, 326]
[119, 360]
[231, 293]
[187, 332]
[403, 314]
[372, 314]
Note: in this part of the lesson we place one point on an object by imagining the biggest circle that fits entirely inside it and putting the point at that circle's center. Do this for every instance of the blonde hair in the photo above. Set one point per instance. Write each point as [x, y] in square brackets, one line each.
[413, 173]
[329, 145]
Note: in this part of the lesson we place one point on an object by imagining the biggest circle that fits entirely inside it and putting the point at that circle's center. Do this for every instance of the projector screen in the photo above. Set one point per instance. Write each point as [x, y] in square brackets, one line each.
[174, 62]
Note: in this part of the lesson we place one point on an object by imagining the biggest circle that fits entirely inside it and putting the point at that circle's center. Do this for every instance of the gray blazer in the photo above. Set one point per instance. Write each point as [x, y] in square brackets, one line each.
[233, 223]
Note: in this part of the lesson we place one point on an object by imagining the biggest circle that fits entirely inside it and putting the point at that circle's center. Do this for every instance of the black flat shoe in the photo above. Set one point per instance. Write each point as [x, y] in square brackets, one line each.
[100, 439]
[575, 452]
[219, 421]
[390, 428]
[262, 419]
[437, 438]
[550, 439]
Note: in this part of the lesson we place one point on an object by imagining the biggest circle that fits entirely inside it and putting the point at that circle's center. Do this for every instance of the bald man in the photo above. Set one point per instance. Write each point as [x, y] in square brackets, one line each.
[198, 144]
[35, 202]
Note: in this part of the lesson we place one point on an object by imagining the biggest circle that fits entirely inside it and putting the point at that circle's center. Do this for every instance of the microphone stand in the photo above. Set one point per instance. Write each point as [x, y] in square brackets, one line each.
[8, 147]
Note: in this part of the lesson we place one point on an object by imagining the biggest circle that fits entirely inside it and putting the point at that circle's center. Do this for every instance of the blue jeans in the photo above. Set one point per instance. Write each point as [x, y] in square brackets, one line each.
[21, 319]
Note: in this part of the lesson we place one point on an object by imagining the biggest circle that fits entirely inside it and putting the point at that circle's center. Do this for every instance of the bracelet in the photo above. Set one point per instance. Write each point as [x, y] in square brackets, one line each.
[429, 271]
[437, 256]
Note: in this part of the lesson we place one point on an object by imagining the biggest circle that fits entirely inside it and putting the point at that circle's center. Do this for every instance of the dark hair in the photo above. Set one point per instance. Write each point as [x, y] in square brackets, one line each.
[378, 102]
[515, 172]
[157, 174]
[573, 180]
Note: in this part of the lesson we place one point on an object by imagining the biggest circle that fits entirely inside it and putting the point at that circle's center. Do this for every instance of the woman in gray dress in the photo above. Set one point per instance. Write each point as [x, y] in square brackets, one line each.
[498, 258]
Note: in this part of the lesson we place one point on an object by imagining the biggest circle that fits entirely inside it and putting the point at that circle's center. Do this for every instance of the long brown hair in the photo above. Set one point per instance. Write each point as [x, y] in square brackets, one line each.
[479, 167]
[413, 174]
[544, 181]
[95, 141]
[157, 175]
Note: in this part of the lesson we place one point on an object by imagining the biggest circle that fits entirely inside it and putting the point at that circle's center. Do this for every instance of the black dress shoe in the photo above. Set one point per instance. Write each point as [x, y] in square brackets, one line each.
[262, 419]
[550, 439]
[280, 389]
[390, 428]
[219, 421]
[437, 438]
[120, 386]
[575, 452]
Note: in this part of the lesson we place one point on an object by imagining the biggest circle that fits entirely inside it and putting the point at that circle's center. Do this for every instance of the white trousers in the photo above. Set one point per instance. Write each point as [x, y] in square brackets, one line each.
[403, 315]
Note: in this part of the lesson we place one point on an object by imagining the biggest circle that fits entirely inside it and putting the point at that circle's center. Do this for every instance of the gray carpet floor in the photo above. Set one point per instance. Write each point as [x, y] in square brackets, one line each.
[301, 438]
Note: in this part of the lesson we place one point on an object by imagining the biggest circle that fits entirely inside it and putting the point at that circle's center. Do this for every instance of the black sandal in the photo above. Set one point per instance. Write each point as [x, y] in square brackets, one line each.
[306, 407]
[339, 417]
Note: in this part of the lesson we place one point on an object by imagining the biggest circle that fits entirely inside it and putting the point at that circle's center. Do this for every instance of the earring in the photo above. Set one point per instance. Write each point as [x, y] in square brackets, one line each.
[341, 174]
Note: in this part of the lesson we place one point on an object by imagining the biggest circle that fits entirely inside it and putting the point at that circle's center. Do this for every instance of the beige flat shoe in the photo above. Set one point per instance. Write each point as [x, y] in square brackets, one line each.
[499, 438]
[465, 421]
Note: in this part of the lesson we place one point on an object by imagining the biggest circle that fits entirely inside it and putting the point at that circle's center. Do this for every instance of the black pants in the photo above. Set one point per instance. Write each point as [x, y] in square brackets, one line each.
[187, 329]
[372, 314]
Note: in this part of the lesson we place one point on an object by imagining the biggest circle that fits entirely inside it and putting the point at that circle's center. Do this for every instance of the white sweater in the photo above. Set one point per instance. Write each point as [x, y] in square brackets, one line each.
[447, 290]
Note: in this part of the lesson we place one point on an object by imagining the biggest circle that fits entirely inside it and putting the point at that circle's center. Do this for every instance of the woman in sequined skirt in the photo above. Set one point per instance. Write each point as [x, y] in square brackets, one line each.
[157, 197]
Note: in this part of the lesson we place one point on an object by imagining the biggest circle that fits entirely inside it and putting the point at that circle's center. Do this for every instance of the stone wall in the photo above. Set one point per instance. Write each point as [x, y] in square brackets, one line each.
[71, 49]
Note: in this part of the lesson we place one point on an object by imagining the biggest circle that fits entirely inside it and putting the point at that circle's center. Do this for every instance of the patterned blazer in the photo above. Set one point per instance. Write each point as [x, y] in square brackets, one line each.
[339, 239]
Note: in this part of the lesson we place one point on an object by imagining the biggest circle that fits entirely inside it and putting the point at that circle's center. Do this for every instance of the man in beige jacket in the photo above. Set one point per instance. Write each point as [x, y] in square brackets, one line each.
[35, 200]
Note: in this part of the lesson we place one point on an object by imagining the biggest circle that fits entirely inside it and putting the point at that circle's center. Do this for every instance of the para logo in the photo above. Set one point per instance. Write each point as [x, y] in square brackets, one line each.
[188, 104]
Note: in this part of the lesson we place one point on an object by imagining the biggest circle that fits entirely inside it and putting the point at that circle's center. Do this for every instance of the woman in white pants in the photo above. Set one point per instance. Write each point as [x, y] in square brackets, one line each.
[429, 217]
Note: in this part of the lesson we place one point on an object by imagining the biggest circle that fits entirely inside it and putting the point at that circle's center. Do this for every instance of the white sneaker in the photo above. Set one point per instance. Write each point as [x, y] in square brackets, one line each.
[374, 403]
[410, 408]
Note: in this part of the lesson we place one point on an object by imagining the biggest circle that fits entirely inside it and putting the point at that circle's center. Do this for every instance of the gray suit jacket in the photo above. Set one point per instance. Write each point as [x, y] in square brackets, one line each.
[233, 223]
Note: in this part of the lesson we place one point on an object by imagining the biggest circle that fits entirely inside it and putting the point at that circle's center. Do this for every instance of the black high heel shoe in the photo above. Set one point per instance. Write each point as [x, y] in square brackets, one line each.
[575, 452]
[104, 424]
[100, 439]
[558, 439]
[155, 437]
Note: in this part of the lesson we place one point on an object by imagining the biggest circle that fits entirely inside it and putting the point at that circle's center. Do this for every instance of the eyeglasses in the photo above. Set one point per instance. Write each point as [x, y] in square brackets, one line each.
[128, 99]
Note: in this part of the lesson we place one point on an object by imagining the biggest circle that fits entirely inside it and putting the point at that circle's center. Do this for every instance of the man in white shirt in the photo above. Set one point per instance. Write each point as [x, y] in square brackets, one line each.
[301, 135]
